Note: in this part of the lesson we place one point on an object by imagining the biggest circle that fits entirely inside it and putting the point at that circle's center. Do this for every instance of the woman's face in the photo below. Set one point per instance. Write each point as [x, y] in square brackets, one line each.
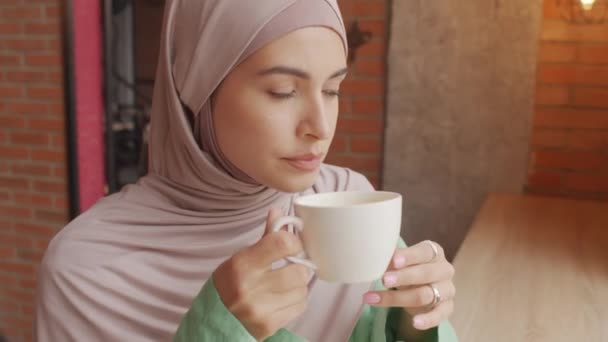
[275, 114]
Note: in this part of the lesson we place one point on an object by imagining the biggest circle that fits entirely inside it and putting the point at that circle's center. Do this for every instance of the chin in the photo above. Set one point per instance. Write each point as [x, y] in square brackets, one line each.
[290, 183]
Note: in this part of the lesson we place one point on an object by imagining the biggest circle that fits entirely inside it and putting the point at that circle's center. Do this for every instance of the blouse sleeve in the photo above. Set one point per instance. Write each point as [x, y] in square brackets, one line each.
[208, 319]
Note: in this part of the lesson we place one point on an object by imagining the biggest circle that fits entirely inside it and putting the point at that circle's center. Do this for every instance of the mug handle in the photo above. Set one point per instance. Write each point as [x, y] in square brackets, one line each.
[299, 225]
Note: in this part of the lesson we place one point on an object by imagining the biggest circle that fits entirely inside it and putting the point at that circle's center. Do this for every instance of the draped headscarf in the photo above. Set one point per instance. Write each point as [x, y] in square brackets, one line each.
[129, 268]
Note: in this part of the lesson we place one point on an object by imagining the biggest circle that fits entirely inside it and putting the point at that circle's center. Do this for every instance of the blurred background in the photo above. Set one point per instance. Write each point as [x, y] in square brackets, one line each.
[446, 102]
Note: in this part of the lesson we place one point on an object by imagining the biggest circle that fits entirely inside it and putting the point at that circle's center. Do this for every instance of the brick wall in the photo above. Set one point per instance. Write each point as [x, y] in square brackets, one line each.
[33, 190]
[359, 137]
[569, 148]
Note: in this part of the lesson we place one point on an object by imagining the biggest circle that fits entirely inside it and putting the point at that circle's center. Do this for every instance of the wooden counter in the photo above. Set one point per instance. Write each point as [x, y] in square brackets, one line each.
[534, 269]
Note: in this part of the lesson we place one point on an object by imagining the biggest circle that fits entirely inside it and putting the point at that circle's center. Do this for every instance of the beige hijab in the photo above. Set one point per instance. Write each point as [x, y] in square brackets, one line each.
[129, 268]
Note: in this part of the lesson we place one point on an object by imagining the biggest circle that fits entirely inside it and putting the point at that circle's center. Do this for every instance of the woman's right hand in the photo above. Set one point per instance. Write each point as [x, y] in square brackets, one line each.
[262, 299]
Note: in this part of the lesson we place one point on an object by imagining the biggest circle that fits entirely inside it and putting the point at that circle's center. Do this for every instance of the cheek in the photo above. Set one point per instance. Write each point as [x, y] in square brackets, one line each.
[248, 126]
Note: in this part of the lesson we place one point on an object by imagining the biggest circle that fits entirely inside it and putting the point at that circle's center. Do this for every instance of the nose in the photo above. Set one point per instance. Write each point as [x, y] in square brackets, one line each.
[317, 122]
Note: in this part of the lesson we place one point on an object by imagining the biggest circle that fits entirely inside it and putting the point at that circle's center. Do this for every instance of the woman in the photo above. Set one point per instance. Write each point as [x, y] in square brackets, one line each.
[245, 108]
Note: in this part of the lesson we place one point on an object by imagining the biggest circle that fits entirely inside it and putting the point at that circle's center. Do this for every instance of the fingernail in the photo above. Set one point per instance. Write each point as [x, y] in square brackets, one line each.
[390, 279]
[419, 323]
[371, 298]
[399, 262]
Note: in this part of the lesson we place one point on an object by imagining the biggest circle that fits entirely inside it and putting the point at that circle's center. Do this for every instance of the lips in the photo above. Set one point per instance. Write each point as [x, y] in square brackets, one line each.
[305, 162]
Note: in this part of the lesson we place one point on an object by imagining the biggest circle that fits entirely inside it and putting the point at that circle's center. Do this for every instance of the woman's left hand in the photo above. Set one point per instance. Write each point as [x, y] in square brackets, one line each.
[421, 278]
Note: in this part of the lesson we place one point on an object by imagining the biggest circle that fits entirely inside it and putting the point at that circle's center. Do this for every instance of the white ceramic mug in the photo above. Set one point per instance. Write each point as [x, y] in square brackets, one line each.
[349, 237]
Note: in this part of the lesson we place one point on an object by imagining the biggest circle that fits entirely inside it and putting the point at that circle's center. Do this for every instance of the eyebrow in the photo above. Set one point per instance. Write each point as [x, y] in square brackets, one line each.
[285, 70]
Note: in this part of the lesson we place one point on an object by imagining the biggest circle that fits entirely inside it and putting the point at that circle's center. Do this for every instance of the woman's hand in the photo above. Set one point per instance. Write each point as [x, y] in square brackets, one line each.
[262, 299]
[421, 278]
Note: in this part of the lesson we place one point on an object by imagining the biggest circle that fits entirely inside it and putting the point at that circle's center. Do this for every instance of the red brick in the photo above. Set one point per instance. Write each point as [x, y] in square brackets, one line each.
[360, 125]
[34, 200]
[573, 74]
[593, 53]
[375, 48]
[363, 87]
[339, 144]
[14, 152]
[52, 11]
[591, 97]
[545, 179]
[9, 60]
[48, 155]
[24, 76]
[368, 106]
[31, 255]
[25, 44]
[571, 118]
[51, 216]
[376, 27]
[35, 230]
[369, 67]
[588, 139]
[61, 202]
[20, 13]
[557, 52]
[552, 95]
[559, 30]
[366, 144]
[13, 240]
[29, 138]
[7, 304]
[370, 9]
[4, 197]
[58, 141]
[50, 187]
[59, 171]
[16, 267]
[570, 160]
[56, 108]
[28, 310]
[358, 163]
[55, 76]
[14, 183]
[7, 91]
[549, 138]
[22, 295]
[7, 252]
[10, 28]
[345, 105]
[47, 60]
[52, 29]
[587, 182]
[45, 92]
[11, 122]
[29, 108]
[47, 125]
[550, 10]
[32, 169]
[20, 213]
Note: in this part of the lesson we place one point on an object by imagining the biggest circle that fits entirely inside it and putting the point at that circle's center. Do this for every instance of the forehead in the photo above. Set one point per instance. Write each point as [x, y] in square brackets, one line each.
[313, 49]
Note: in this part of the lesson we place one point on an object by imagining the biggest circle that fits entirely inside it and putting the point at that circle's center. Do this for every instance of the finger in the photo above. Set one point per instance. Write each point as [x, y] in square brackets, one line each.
[412, 297]
[434, 317]
[419, 275]
[273, 215]
[420, 253]
[286, 278]
[271, 248]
